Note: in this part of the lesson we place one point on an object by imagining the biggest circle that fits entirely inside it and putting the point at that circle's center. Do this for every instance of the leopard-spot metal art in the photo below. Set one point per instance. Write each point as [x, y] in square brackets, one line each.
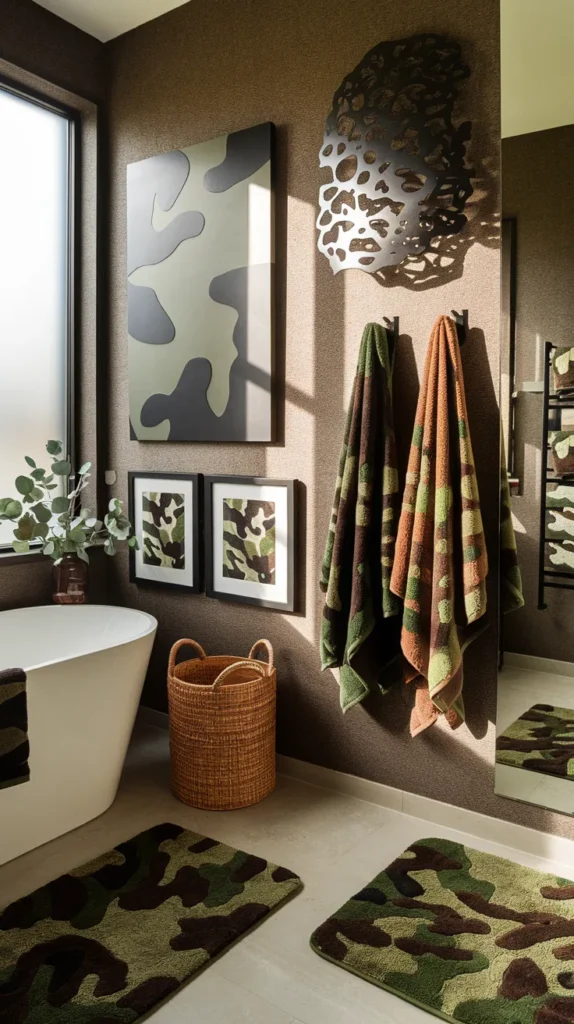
[397, 174]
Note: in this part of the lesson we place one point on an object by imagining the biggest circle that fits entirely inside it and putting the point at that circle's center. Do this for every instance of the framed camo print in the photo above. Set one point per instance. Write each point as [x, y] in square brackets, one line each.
[165, 510]
[250, 541]
[200, 280]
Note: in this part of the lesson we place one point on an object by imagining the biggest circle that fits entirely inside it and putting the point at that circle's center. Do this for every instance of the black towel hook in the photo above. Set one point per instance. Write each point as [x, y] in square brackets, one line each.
[393, 326]
[461, 321]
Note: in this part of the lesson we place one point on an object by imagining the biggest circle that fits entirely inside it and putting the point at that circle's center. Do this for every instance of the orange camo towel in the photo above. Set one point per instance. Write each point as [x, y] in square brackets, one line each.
[440, 562]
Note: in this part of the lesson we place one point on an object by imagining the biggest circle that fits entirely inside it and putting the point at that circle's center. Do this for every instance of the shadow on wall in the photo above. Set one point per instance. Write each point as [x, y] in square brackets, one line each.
[416, 158]
[444, 262]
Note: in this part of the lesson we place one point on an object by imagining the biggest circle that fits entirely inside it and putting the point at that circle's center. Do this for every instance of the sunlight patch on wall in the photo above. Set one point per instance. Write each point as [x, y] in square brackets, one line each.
[297, 459]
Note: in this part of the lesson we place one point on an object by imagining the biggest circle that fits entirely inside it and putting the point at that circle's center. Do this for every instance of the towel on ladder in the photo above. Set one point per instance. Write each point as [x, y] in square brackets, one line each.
[361, 618]
[440, 559]
[14, 746]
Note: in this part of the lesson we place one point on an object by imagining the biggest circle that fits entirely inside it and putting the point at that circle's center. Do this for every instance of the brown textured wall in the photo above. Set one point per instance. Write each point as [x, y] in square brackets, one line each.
[38, 41]
[537, 183]
[215, 66]
[47, 54]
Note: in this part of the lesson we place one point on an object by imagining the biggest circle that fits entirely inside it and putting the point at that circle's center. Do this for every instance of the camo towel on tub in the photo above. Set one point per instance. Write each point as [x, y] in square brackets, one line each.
[440, 558]
[14, 746]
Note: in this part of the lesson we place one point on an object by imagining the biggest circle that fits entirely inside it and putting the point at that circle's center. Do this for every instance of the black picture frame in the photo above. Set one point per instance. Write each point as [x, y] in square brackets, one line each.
[197, 530]
[251, 481]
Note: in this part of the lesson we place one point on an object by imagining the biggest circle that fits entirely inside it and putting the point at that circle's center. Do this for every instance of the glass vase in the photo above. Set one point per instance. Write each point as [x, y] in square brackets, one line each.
[70, 581]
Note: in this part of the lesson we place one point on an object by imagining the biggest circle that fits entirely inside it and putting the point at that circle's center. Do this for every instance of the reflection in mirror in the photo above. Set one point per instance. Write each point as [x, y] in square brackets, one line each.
[535, 721]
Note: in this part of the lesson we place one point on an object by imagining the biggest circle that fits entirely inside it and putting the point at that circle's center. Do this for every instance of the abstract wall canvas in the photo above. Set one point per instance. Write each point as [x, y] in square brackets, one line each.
[250, 540]
[200, 291]
[165, 512]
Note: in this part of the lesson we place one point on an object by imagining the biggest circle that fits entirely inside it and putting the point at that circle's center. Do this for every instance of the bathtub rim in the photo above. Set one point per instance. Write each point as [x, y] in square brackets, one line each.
[152, 625]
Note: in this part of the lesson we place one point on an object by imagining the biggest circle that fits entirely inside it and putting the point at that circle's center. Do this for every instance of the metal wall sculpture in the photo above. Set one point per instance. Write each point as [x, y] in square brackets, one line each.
[200, 280]
[397, 173]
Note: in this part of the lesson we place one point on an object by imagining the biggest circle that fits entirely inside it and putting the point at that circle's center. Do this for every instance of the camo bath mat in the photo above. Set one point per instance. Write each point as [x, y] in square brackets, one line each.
[464, 935]
[541, 740]
[109, 941]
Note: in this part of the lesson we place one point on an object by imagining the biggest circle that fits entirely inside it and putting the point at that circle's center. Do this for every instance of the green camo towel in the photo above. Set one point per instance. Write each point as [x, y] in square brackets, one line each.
[361, 623]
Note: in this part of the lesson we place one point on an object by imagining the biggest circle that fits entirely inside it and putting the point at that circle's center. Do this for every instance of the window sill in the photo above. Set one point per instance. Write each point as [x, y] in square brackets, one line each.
[12, 558]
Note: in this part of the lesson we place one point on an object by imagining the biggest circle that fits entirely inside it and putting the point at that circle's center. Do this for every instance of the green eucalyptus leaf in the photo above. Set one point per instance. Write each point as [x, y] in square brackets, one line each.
[62, 468]
[36, 494]
[30, 461]
[58, 531]
[42, 513]
[41, 530]
[59, 506]
[85, 514]
[91, 522]
[24, 484]
[38, 474]
[10, 508]
[115, 506]
[115, 529]
[49, 548]
[51, 487]
[54, 447]
[133, 543]
[83, 554]
[25, 529]
[85, 468]
[77, 535]
[20, 546]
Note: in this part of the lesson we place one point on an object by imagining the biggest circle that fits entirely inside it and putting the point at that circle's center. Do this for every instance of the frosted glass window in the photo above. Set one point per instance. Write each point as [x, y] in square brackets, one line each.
[33, 286]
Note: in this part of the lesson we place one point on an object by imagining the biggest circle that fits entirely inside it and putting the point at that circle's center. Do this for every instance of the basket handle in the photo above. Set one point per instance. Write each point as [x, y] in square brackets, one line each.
[176, 647]
[255, 665]
[267, 646]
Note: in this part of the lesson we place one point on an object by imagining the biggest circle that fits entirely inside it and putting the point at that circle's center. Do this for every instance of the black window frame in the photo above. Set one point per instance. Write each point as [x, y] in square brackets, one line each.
[73, 268]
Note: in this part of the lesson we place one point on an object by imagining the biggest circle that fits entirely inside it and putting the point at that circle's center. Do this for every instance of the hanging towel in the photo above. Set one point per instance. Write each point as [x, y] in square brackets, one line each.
[14, 746]
[511, 594]
[440, 559]
[361, 620]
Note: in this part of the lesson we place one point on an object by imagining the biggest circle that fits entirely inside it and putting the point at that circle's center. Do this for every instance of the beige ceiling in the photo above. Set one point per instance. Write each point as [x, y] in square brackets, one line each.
[107, 19]
[537, 65]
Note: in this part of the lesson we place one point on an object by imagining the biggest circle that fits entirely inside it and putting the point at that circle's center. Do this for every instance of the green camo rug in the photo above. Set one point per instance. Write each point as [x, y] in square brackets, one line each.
[109, 941]
[465, 935]
[541, 740]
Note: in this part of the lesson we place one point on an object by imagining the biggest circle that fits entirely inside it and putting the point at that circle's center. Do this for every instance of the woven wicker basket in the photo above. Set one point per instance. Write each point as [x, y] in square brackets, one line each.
[222, 714]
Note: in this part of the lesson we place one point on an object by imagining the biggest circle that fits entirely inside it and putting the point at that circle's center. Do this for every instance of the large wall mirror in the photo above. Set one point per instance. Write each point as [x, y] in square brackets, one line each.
[535, 721]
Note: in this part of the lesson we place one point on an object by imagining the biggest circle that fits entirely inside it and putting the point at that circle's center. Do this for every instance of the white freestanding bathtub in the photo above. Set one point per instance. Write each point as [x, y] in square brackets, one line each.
[86, 667]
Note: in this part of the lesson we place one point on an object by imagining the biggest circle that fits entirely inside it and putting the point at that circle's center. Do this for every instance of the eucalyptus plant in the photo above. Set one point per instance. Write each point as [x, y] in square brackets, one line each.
[60, 522]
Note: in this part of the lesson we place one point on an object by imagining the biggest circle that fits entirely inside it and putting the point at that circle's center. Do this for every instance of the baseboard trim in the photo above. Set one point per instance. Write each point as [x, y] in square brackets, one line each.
[534, 664]
[495, 830]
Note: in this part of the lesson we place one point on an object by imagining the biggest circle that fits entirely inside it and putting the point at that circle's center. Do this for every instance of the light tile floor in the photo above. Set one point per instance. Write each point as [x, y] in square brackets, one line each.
[518, 690]
[335, 842]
